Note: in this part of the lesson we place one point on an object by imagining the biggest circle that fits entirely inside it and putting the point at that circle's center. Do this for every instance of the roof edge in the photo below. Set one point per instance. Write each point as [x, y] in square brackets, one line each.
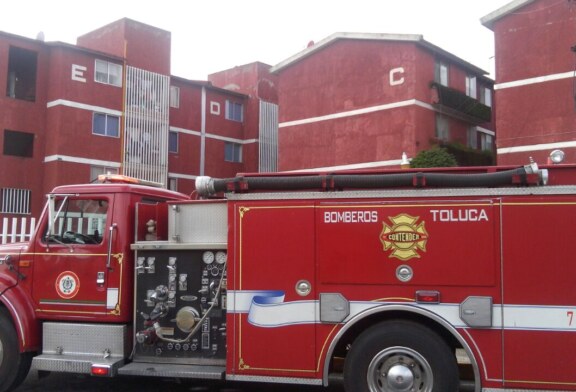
[489, 20]
[341, 35]
[414, 38]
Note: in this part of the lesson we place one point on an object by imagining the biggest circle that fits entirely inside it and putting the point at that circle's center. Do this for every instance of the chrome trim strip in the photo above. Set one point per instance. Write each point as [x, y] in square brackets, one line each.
[516, 390]
[280, 380]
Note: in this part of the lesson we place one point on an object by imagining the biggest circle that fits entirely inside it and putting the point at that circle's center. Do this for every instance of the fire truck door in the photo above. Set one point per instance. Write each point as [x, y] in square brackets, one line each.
[273, 290]
[539, 311]
[71, 278]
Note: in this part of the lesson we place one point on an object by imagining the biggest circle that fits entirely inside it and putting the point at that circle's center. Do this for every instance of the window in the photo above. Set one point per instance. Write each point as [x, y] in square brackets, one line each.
[18, 144]
[480, 140]
[173, 184]
[234, 111]
[174, 97]
[472, 138]
[105, 125]
[441, 73]
[173, 141]
[108, 73]
[232, 152]
[21, 83]
[442, 127]
[487, 142]
[95, 171]
[15, 201]
[77, 221]
[471, 86]
[486, 96]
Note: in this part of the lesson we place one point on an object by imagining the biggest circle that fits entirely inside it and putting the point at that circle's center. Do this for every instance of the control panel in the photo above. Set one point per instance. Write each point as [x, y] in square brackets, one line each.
[180, 306]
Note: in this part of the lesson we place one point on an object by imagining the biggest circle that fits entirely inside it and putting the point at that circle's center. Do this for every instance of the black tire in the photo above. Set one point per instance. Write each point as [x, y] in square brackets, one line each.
[398, 356]
[14, 366]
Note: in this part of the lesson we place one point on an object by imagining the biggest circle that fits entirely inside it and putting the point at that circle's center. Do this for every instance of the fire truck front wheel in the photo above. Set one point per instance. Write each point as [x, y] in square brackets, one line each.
[400, 356]
[14, 366]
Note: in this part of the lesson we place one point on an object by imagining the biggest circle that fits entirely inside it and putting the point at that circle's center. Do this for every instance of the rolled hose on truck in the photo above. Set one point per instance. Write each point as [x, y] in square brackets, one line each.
[207, 186]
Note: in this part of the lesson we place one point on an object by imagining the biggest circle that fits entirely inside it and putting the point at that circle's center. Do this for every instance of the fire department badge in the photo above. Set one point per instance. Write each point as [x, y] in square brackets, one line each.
[406, 237]
[67, 284]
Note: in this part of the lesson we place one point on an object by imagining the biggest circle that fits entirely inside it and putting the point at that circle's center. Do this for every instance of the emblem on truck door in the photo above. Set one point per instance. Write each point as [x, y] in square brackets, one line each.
[405, 237]
[67, 284]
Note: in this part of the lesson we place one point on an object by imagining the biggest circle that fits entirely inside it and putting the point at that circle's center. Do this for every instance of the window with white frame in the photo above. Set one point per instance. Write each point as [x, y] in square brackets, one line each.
[487, 142]
[480, 140]
[232, 152]
[173, 141]
[95, 171]
[471, 86]
[441, 73]
[174, 97]
[15, 201]
[105, 125]
[108, 73]
[472, 138]
[442, 127]
[486, 96]
[234, 111]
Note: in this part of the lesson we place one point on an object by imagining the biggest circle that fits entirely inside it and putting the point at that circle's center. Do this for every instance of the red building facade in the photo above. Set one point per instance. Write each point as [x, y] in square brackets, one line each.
[535, 61]
[362, 100]
[71, 112]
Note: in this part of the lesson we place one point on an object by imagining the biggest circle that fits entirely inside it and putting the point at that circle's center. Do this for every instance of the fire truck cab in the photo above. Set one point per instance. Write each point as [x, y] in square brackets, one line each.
[429, 280]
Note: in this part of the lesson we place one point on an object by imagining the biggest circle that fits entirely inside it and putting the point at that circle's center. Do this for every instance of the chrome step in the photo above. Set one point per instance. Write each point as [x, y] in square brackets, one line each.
[173, 370]
[69, 363]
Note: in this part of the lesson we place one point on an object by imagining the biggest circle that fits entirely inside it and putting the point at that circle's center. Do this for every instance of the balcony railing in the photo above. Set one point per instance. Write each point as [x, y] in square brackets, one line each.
[457, 104]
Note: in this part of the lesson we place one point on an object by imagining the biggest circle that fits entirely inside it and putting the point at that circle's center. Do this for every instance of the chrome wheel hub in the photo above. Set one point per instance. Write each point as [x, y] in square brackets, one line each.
[399, 369]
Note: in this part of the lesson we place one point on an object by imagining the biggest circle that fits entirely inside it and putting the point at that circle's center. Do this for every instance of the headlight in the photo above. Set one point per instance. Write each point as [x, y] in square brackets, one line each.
[557, 156]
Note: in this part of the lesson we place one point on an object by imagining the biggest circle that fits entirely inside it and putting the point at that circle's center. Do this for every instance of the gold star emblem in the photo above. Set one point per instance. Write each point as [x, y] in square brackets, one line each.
[405, 237]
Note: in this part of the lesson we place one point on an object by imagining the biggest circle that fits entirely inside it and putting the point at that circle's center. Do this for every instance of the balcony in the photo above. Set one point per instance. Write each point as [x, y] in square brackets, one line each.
[457, 104]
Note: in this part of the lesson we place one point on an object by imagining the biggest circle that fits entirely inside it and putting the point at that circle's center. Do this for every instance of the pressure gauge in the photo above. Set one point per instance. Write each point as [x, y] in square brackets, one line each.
[221, 257]
[208, 257]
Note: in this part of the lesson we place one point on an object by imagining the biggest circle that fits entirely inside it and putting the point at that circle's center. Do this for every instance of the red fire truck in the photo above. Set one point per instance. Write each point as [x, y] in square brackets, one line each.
[429, 280]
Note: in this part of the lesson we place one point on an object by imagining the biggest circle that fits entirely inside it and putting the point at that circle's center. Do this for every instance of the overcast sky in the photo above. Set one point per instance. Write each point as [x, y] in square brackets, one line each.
[213, 35]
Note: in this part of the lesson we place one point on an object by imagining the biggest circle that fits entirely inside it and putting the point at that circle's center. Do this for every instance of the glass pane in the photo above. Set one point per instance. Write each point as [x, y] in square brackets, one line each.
[101, 74]
[80, 221]
[99, 124]
[228, 152]
[113, 126]
[173, 141]
[444, 75]
[238, 153]
[115, 74]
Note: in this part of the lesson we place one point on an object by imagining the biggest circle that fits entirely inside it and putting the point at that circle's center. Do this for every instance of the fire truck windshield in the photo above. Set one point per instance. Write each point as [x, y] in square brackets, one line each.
[74, 220]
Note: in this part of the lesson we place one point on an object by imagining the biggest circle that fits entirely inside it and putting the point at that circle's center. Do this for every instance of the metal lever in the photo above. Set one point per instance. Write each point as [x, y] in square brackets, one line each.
[110, 235]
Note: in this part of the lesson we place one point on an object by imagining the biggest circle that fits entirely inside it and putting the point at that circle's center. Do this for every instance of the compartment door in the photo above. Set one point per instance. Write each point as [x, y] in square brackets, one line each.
[272, 307]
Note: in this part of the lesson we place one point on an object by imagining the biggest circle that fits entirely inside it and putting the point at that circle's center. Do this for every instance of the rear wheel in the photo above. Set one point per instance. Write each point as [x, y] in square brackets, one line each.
[14, 366]
[400, 356]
